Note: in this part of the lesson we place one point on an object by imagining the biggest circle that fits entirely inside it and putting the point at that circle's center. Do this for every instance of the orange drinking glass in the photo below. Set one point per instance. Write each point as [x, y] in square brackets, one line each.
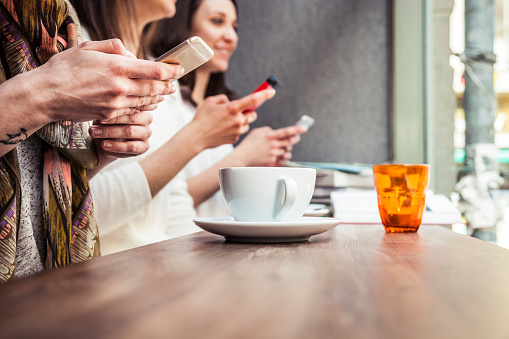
[401, 191]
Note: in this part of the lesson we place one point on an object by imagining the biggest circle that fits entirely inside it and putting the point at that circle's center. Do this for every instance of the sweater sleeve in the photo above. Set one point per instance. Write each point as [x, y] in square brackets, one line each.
[120, 194]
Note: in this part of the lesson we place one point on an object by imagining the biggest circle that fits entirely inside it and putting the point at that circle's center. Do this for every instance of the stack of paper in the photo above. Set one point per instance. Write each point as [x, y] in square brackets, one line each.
[361, 206]
[332, 176]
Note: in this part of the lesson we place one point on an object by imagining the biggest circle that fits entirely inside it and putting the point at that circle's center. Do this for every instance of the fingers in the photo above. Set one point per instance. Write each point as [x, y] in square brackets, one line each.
[141, 101]
[289, 132]
[151, 70]
[150, 105]
[124, 148]
[128, 127]
[295, 140]
[111, 46]
[278, 152]
[120, 132]
[281, 147]
[281, 160]
[300, 129]
[243, 129]
[138, 118]
[147, 107]
[149, 88]
[147, 104]
[251, 117]
[131, 66]
[131, 55]
[216, 99]
[125, 135]
[253, 99]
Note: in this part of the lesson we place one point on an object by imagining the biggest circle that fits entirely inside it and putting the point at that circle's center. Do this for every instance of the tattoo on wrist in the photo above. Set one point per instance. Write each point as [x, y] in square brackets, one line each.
[14, 139]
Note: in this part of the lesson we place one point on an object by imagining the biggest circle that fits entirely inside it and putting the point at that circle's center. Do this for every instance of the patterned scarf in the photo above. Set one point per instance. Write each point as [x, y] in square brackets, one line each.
[31, 31]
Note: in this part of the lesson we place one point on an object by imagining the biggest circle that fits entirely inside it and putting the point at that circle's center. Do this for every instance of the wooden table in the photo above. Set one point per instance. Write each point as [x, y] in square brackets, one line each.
[354, 281]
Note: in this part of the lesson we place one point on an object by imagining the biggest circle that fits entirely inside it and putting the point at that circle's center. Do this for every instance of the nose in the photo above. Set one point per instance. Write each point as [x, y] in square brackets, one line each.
[230, 34]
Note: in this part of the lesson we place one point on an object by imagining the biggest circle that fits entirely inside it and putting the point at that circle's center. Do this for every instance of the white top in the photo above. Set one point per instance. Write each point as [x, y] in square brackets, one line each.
[126, 214]
[215, 205]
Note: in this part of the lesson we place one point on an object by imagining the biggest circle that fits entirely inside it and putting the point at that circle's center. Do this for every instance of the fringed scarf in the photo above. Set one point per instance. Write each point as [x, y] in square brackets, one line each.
[31, 32]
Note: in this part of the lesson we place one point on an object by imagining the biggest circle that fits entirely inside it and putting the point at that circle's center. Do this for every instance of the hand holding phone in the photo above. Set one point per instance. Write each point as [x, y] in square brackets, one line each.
[189, 54]
[305, 120]
[271, 82]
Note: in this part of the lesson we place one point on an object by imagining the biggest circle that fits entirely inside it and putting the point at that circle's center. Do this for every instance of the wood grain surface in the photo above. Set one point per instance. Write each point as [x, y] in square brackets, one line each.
[355, 281]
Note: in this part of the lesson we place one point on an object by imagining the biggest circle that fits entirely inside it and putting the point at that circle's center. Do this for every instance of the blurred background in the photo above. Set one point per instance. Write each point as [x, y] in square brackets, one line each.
[404, 81]
[333, 60]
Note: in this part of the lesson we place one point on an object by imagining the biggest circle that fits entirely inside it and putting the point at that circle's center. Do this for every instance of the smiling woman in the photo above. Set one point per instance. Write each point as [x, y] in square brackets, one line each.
[216, 22]
[142, 200]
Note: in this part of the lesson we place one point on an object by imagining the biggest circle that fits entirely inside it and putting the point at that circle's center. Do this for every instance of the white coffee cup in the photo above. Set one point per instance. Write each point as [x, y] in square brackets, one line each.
[267, 194]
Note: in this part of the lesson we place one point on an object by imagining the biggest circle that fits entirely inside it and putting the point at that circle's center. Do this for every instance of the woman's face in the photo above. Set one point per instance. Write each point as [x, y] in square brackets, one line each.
[215, 22]
[153, 10]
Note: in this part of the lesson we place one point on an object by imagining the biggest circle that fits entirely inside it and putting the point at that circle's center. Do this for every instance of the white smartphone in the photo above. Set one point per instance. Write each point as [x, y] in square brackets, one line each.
[189, 54]
[305, 120]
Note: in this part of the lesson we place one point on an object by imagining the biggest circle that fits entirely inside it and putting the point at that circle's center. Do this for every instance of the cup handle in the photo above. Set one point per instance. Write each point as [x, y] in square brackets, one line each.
[287, 192]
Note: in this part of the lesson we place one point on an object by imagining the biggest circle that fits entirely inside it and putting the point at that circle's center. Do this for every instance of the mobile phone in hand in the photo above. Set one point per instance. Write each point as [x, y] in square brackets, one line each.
[305, 120]
[189, 54]
[270, 82]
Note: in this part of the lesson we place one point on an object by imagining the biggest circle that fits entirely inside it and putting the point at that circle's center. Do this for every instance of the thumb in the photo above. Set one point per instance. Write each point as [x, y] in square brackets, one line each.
[130, 55]
[111, 46]
[218, 99]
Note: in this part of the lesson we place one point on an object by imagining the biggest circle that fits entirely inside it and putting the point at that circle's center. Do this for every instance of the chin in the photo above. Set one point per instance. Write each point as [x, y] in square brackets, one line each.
[217, 68]
[222, 67]
[170, 10]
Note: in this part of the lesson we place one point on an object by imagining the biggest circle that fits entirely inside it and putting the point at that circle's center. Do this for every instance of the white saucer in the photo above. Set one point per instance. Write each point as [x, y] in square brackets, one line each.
[267, 231]
[316, 210]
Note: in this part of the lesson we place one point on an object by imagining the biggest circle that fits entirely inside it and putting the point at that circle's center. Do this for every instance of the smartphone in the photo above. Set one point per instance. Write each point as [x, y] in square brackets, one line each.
[305, 120]
[270, 82]
[189, 54]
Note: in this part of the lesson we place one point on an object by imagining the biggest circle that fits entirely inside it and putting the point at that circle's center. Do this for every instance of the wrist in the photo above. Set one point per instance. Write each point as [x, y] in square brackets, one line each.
[33, 101]
[21, 95]
[192, 137]
[236, 159]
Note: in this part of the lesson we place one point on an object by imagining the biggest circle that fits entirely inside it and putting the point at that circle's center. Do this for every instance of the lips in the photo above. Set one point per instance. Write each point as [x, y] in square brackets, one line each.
[223, 51]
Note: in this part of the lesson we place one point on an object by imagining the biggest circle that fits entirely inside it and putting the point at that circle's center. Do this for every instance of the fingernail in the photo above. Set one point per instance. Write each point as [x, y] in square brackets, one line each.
[181, 72]
[107, 144]
[160, 98]
[96, 131]
[272, 91]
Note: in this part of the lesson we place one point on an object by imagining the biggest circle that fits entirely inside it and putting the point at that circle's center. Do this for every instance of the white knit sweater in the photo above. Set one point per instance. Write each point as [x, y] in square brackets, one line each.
[126, 214]
[215, 205]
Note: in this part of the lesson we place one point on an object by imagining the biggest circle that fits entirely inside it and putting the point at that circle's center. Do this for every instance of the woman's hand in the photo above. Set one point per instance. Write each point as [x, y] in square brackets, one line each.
[219, 121]
[93, 81]
[291, 135]
[267, 147]
[121, 137]
[99, 80]
[124, 136]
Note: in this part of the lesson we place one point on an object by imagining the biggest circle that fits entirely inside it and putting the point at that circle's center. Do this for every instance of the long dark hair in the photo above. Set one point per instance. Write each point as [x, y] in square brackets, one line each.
[160, 36]
[106, 19]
